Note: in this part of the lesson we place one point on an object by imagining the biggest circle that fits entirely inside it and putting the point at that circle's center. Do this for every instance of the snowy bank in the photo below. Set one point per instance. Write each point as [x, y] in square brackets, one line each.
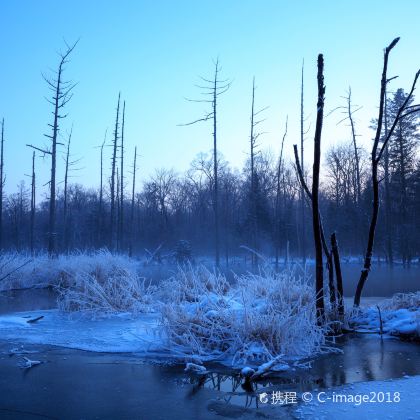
[398, 316]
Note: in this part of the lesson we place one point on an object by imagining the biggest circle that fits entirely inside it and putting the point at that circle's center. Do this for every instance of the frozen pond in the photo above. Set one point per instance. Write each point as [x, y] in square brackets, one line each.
[76, 384]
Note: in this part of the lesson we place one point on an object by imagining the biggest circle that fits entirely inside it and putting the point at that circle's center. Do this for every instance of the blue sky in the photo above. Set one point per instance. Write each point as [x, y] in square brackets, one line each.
[154, 51]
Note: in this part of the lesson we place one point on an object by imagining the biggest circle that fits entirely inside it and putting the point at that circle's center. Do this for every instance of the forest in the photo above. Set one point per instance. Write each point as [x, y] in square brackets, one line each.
[212, 206]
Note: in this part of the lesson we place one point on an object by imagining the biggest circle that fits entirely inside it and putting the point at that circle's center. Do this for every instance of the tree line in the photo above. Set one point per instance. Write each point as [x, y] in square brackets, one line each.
[261, 208]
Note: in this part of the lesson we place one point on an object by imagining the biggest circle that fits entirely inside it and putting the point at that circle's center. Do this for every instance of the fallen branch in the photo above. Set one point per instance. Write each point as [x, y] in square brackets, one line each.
[32, 321]
[14, 271]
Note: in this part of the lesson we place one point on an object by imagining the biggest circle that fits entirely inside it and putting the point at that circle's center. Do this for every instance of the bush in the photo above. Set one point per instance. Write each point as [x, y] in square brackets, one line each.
[259, 318]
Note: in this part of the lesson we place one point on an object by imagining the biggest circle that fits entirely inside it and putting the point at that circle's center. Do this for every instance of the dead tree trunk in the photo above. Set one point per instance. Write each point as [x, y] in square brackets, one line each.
[327, 252]
[356, 150]
[101, 195]
[65, 203]
[213, 88]
[319, 269]
[62, 93]
[33, 203]
[121, 224]
[338, 274]
[376, 155]
[254, 135]
[130, 249]
[302, 194]
[252, 141]
[1, 182]
[388, 224]
[215, 170]
[117, 199]
[113, 167]
[278, 193]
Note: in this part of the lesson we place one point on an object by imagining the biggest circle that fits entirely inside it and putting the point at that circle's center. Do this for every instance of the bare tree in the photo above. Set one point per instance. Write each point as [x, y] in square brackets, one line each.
[302, 162]
[329, 255]
[319, 269]
[213, 88]
[101, 194]
[388, 225]
[376, 155]
[130, 249]
[65, 200]
[62, 94]
[113, 172]
[339, 276]
[348, 110]
[33, 205]
[1, 182]
[280, 168]
[253, 176]
[117, 200]
[121, 218]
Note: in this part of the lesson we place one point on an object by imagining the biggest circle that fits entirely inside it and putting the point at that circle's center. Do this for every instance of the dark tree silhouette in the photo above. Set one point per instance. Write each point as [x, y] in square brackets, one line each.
[133, 189]
[316, 222]
[62, 94]
[33, 205]
[213, 88]
[377, 152]
[113, 180]
[1, 182]
[121, 218]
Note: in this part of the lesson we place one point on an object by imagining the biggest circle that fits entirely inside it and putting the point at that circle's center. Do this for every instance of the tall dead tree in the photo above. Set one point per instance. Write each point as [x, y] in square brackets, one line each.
[349, 110]
[65, 201]
[213, 88]
[280, 168]
[253, 175]
[330, 255]
[101, 194]
[1, 182]
[318, 231]
[388, 224]
[121, 218]
[376, 155]
[302, 193]
[133, 189]
[62, 94]
[33, 204]
[350, 113]
[113, 171]
[319, 269]
[117, 199]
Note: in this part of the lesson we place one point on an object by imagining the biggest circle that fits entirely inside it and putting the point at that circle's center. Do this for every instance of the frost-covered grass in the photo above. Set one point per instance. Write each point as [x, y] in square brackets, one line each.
[259, 318]
[42, 271]
[99, 293]
[254, 319]
[409, 301]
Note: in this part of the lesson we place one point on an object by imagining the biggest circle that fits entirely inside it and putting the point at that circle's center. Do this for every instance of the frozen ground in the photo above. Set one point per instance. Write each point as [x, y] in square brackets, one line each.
[402, 394]
[119, 333]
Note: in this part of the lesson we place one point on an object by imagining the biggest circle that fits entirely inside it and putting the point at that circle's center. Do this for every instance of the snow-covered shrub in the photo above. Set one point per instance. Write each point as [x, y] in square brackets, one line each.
[257, 319]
